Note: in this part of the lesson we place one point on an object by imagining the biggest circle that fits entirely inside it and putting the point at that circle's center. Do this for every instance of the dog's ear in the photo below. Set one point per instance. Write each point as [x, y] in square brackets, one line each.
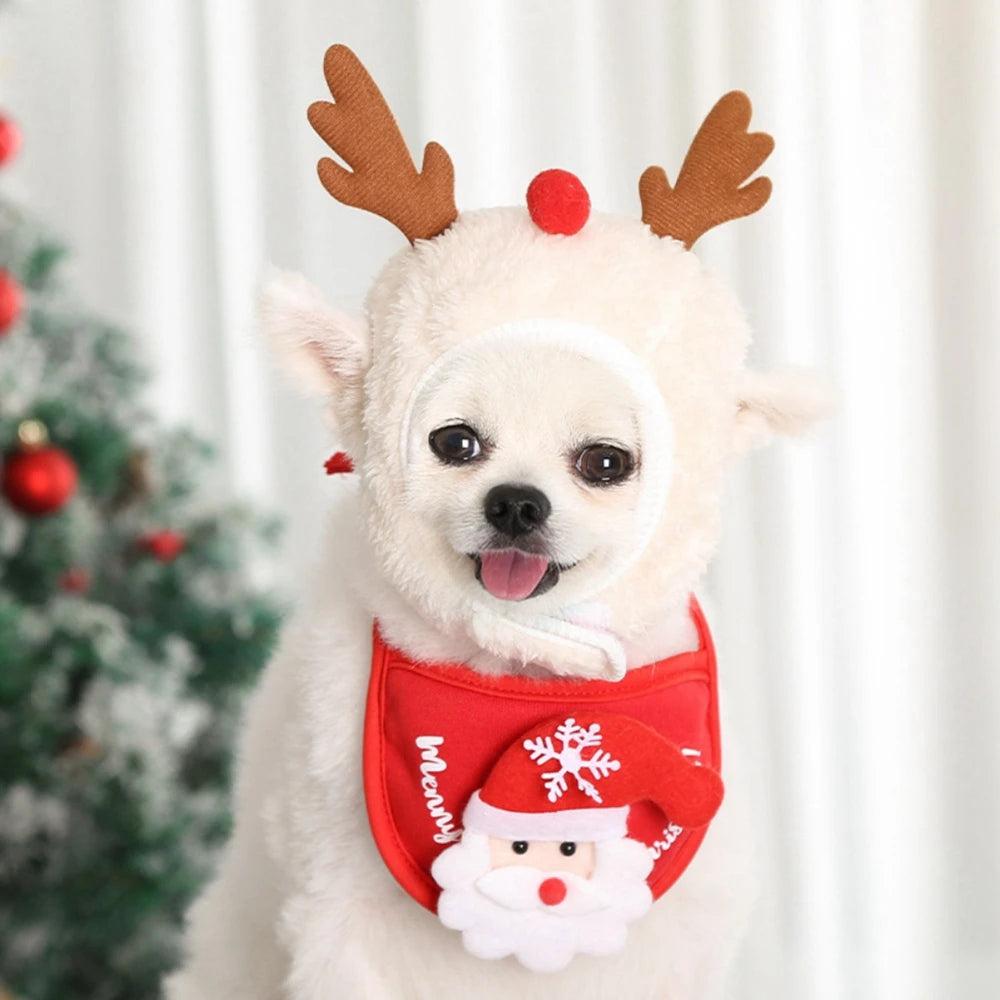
[325, 351]
[786, 401]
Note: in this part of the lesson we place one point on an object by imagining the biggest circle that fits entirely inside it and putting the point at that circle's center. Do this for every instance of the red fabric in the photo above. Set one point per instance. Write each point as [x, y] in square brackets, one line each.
[337, 463]
[465, 723]
[558, 202]
[39, 481]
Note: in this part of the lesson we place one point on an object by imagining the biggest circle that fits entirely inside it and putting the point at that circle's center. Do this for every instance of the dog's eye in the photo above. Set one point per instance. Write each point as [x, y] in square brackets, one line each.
[604, 463]
[519, 847]
[455, 444]
[567, 848]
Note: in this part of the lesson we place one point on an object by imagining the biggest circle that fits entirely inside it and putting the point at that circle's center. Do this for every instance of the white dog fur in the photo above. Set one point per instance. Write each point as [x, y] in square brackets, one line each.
[302, 906]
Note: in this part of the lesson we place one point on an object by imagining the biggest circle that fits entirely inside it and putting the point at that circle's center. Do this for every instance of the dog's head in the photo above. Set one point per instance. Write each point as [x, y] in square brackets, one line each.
[541, 404]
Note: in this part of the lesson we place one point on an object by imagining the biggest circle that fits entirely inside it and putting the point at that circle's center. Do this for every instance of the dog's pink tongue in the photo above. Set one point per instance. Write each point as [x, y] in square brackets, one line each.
[511, 574]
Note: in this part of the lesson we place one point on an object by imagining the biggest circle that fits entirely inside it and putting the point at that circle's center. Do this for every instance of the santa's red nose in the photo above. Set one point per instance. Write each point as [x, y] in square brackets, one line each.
[552, 891]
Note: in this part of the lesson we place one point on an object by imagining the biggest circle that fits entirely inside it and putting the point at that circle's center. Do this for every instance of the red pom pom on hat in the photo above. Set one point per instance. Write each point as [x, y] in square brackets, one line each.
[558, 202]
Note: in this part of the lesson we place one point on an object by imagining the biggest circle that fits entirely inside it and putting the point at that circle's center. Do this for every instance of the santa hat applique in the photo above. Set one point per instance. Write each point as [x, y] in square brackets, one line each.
[575, 779]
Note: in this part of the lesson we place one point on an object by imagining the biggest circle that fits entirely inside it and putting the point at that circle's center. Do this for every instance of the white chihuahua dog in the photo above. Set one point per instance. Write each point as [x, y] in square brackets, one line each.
[540, 407]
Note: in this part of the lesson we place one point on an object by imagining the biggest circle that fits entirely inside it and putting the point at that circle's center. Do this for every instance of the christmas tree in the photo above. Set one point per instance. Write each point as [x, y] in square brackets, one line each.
[128, 638]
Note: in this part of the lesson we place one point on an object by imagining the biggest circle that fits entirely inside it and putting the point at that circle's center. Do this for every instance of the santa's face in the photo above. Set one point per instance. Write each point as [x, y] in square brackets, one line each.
[542, 901]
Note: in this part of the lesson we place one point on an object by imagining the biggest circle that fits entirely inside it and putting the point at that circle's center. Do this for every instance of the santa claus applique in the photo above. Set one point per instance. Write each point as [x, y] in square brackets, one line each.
[545, 868]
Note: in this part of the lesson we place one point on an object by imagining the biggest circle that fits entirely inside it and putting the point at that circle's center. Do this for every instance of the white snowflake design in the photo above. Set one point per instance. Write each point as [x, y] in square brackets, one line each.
[574, 740]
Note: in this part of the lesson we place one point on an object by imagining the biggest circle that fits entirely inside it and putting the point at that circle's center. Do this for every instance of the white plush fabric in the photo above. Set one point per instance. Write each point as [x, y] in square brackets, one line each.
[562, 824]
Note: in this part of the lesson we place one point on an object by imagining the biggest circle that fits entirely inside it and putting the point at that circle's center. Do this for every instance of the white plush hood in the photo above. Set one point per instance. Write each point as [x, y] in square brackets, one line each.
[641, 306]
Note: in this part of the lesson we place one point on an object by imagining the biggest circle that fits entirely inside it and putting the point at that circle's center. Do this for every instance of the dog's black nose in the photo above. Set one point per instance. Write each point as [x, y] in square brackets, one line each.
[516, 510]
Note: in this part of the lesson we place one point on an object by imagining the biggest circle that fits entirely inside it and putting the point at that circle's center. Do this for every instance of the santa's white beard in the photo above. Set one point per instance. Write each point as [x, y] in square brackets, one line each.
[499, 911]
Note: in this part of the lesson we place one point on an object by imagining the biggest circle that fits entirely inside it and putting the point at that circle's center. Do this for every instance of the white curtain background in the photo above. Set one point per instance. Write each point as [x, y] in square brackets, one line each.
[858, 584]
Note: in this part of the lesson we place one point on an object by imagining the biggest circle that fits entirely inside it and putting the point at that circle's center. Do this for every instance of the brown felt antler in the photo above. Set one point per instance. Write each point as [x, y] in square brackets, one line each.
[707, 193]
[383, 179]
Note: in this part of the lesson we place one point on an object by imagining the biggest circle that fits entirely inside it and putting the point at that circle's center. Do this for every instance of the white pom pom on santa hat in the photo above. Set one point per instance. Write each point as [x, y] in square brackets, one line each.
[576, 778]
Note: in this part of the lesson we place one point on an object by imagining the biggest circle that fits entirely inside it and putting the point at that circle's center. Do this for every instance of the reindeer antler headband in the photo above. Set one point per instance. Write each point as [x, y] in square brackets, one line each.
[361, 130]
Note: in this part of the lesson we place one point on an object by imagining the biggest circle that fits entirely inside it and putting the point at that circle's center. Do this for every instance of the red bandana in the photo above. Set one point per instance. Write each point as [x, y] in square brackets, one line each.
[434, 731]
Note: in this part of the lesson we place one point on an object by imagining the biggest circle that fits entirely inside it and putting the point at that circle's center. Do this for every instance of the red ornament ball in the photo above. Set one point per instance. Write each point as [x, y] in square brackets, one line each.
[165, 545]
[558, 202]
[11, 302]
[39, 481]
[10, 140]
[75, 581]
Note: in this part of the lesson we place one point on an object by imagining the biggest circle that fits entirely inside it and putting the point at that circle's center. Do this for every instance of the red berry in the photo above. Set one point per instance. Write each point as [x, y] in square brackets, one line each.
[39, 481]
[10, 140]
[558, 202]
